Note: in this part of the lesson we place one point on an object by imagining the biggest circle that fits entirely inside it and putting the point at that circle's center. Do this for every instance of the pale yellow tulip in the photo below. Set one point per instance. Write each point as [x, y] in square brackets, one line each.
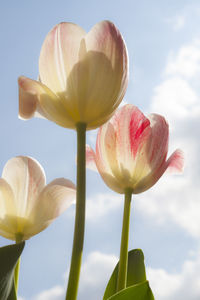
[82, 76]
[27, 204]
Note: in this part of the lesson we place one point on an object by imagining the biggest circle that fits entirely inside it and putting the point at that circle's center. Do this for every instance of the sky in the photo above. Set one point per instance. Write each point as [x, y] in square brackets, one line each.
[163, 41]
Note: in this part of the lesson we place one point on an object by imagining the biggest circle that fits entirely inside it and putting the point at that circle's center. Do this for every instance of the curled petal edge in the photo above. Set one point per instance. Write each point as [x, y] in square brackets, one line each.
[174, 164]
[29, 95]
[90, 159]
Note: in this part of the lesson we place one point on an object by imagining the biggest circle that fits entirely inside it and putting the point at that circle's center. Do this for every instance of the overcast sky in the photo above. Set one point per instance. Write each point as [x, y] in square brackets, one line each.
[163, 41]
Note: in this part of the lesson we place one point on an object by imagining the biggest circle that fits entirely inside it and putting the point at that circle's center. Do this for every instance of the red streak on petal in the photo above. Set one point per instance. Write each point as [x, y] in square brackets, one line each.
[137, 135]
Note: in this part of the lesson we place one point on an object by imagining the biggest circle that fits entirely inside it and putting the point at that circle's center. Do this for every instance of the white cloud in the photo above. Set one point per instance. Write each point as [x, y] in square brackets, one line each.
[176, 198]
[98, 267]
[175, 99]
[173, 199]
[177, 22]
[95, 274]
[186, 62]
[55, 293]
[101, 205]
[178, 286]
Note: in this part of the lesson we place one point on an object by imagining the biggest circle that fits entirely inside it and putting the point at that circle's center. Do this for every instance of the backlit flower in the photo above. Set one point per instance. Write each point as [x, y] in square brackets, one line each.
[27, 205]
[82, 76]
[131, 151]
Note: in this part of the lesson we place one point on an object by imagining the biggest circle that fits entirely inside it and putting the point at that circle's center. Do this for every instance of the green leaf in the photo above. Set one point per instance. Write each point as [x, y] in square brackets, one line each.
[140, 291]
[135, 273]
[136, 269]
[9, 256]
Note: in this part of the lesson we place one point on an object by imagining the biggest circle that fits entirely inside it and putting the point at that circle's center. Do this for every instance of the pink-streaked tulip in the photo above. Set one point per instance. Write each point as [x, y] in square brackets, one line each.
[131, 151]
[82, 76]
[27, 204]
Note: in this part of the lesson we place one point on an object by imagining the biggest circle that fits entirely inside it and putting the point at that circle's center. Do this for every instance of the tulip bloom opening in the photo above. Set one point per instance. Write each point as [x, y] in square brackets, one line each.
[82, 76]
[131, 151]
[27, 205]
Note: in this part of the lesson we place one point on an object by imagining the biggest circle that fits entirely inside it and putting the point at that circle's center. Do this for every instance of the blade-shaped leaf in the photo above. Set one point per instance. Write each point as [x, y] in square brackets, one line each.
[135, 273]
[136, 269]
[140, 291]
[9, 256]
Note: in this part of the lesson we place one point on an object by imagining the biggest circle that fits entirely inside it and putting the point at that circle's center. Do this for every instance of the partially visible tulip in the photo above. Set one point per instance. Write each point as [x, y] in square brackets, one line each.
[82, 76]
[131, 151]
[27, 205]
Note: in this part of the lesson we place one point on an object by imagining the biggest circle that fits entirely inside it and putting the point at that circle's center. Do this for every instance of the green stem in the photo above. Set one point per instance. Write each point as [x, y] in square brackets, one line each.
[123, 261]
[18, 239]
[75, 268]
[17, 267]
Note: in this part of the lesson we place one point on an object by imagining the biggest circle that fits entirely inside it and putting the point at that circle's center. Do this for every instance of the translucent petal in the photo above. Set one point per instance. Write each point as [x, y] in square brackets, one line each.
[35, 99]
[175, 163]
[54, 199]
[158, 141]
[59, 53]
[90, 159]
[103, 73]
[26, 178]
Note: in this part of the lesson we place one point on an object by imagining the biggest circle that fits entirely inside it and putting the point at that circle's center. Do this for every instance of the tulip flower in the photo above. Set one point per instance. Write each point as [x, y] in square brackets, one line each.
[131, 152]
[82, 76]
[82, 80]
[27, 204]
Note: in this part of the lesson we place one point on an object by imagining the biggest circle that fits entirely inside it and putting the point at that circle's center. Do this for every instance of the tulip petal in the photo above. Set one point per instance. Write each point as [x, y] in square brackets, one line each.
[10, 223]
[90, 159]
[35, 99]
[132, 131]
[54, 199]
[59, 53]
[7, 210]
[7, 203]
[102, 162]
[102, 74]
[158, 142]
[26, 178]
[175, 164]
[106, 158]
[29, 94]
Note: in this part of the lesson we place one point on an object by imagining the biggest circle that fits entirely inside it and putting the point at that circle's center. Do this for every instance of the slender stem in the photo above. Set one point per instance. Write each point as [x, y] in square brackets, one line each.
[17, 267]
[123, 261]
[18, 239]
[75, 268]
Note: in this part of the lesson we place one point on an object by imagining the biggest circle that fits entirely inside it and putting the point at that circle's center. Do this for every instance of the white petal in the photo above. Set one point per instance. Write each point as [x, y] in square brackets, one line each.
[7, 204]
[26, 178]
[103, 73]
[106, 164]
[54, 199]
[30, 92]
[59, 53]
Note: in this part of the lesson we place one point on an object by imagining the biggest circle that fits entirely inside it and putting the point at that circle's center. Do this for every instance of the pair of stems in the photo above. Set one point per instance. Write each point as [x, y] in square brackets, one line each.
[77, 251]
